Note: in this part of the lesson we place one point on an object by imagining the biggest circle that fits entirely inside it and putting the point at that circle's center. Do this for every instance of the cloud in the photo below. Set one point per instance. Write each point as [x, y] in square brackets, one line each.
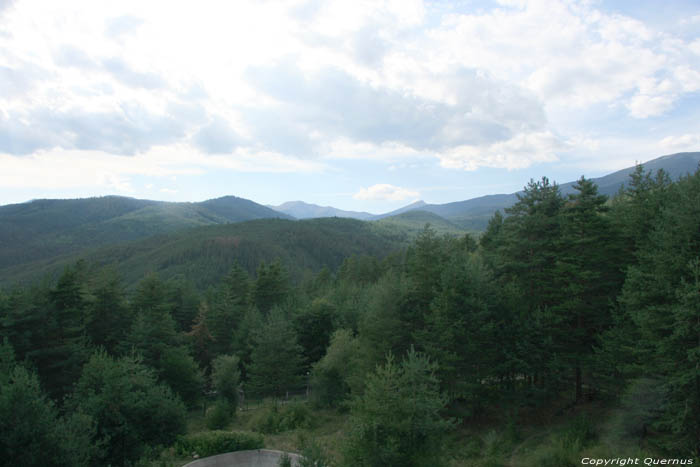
[216, 137]
[518, 152]
[385, 192]
[681, 142]
[121, 25]
[5, 4]
[127, 131]
[643, 106]
[580, 57]
[123, 73]
[71, 56]
[70, 169]
[338, 105]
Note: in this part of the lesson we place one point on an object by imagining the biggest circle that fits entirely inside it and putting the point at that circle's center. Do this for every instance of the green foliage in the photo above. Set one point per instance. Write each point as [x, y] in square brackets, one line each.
[565, 449]
[339, 372]
[226, 378]
[108, 316]
[206, 254]
[211, 443]
[179, 370]
[285, 460]
[276, 357]
[397, 421]
[277, 418]
[661, 296]
[314, 455]
[219, 415]
[30, 426]
[271, 286]
[460, 329]
[314, 326]
[131, 410]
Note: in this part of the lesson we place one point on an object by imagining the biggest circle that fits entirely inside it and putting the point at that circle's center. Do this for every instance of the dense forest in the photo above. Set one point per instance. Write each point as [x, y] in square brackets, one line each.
[565, 305]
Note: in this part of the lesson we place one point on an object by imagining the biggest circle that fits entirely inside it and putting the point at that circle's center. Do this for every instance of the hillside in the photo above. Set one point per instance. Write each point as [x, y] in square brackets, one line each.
[408, 224]
[45, 229]
[302, 210]
[473, 214]
[205, 254]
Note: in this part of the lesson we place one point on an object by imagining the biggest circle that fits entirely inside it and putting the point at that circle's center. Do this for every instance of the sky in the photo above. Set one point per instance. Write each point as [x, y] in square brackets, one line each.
[361, 105]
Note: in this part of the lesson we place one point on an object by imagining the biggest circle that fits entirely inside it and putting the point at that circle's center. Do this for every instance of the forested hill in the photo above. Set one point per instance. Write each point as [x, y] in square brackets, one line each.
[568, 332]
[48, 228]
[204, 254]
[473, 214]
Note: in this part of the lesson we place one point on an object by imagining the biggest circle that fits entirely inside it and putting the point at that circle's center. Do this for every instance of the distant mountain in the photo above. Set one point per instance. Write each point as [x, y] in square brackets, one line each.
[48, 228]
[411, 207]
[205, 254]
[302, 210]
[473, 214]
[410, 223]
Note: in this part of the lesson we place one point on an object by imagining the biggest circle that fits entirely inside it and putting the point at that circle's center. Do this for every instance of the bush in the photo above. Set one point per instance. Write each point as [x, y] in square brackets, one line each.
[278, 418]
[285, 460]
[579, 432]
[313, 455]
[560, 454]
[210, 443]
[219, 415]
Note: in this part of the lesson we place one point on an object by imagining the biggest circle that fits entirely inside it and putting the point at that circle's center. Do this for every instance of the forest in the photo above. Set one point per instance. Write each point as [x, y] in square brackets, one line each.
[568, 330]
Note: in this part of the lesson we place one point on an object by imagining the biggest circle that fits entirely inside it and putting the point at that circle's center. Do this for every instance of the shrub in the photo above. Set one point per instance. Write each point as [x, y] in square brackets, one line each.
[210, 443]
[285, 460]
[579, 432]
[278, 418]
[219, 415]
[313, 455]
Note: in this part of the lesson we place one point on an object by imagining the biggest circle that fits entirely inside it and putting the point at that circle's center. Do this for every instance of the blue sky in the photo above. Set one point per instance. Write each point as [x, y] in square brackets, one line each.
[363, 105]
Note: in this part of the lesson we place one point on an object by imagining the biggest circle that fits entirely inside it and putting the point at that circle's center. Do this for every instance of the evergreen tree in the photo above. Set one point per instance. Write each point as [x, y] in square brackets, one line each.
[276, 359]
[130, 408]
[228, 309]
[65, 349]
[226, 379]
[341, 371]
[202, 339]
[314, 326]
[271, 286]
[109, 318]
[589, 277]
[461, 331]
[529, 247]
[31, 431]
[661, 295]
[397, 421]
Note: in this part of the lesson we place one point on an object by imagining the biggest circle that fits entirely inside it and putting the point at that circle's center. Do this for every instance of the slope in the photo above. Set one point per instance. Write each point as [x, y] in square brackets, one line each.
[205, 254]
[473, 214]
[44, 229]
[302, 210]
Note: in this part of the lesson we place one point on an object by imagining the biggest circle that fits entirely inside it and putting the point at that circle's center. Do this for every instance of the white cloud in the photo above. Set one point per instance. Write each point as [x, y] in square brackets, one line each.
[681, 142]
[643, 106]
[59, 169]
[296, 85]
[519, 152]
[385, 192]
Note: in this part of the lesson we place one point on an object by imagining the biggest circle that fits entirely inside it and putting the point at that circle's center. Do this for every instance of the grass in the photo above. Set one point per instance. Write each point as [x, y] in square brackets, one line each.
[535, 438]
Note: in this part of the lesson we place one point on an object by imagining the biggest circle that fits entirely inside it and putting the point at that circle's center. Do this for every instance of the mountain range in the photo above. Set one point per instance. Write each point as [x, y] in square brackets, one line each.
[40, 233]
[473, 214]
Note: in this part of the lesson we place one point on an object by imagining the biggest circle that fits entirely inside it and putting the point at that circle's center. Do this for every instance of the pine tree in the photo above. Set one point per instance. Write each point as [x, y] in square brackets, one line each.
[588, 275]
[397, 421]
[271, 286]
[276, 359]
